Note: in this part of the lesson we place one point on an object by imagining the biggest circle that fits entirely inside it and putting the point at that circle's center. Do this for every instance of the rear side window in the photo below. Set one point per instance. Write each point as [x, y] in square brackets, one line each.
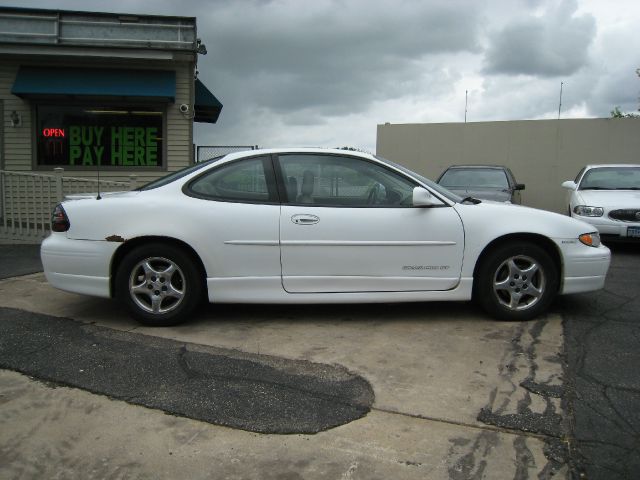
[173, 176]
[248, 180]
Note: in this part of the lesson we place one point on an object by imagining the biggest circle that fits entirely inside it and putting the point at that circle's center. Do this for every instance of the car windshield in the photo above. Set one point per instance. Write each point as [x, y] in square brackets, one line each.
[430, 183]
[611, 178]
[173, 176]
[490, 178]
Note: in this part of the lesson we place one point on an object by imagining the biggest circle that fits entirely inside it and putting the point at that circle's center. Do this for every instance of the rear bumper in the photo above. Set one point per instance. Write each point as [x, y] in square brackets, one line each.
[78, 266]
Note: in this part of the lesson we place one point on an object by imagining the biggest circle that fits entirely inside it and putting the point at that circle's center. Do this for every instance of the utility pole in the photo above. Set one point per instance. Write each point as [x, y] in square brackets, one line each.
[466, 98]
[560, 103]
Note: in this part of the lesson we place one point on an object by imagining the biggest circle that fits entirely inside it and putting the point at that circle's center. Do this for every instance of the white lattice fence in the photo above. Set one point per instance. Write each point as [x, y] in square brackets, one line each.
[27, 199]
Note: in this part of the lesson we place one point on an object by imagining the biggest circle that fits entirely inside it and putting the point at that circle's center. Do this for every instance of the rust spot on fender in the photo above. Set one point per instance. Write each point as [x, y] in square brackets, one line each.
[114, 238]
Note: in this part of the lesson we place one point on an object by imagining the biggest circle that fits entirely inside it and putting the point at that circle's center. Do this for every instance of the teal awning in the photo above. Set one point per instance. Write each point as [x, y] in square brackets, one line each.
[207, 107]
[158, 85]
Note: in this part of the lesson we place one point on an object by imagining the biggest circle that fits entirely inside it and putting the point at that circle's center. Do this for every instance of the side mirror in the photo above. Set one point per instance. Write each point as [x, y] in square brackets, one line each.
[422, 198]
[519, 186]
[569, 184]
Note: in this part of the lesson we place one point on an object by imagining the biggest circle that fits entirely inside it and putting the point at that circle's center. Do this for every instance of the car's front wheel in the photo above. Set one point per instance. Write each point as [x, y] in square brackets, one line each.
[516, 281]
[159, 284]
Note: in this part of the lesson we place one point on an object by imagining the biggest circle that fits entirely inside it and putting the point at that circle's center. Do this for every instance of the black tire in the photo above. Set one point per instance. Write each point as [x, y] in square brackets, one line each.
[159, 284]
[516, 281]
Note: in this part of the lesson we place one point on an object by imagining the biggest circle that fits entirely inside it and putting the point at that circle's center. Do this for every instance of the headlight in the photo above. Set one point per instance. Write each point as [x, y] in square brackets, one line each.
[590, 239]
[586, 211]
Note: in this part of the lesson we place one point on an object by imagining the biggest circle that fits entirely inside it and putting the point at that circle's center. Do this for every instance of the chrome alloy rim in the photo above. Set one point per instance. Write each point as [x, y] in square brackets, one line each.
[157, 285]
[519, 282]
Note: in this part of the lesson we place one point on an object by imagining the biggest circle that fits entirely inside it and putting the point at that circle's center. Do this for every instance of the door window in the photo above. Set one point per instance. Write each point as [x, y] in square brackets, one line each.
[330, 180]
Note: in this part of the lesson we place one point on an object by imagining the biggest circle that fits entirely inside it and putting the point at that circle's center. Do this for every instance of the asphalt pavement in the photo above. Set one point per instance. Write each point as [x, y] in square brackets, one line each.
[251, 392]
[602, 345]
[18, 260]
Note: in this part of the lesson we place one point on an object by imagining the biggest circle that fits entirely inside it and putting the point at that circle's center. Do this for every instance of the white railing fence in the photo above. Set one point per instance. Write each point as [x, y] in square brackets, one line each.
[27, 199]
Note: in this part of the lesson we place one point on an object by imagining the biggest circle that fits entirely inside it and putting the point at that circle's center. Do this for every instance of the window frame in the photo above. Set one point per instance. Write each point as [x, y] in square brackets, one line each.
[282, 192]
[267, 164]
[98, 102]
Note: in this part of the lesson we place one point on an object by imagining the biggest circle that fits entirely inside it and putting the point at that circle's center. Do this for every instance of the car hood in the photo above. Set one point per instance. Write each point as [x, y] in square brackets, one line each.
[483, 193]
[610, 198]
[497, 219]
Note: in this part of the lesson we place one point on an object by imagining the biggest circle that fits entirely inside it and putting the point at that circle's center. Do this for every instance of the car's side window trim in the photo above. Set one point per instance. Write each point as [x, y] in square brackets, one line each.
[267, 165]
[285, 197]
[279, 178]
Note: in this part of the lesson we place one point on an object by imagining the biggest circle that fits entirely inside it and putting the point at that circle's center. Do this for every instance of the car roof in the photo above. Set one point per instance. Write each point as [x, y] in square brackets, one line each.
[318, 150]
[621, 165]
[479, 166]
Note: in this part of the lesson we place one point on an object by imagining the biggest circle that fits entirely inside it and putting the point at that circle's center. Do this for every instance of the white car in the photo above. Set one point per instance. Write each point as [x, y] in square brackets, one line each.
[314, 226]
[607, 197]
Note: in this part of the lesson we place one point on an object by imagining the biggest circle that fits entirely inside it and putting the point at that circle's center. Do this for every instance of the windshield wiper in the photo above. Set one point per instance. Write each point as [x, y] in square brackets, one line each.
[473, 200]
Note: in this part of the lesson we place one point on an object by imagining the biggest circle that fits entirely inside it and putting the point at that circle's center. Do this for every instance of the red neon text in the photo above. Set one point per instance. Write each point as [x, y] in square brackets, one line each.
[53, 132]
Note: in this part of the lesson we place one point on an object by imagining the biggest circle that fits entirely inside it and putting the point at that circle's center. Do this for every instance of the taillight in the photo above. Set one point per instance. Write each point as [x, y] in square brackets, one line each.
[59, 220]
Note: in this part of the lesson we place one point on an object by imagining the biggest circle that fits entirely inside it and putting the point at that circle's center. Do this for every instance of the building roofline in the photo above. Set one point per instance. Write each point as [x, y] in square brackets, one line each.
[28, 10]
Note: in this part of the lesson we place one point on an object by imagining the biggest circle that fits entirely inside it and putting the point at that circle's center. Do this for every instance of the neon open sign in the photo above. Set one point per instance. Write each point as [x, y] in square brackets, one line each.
[53, 132]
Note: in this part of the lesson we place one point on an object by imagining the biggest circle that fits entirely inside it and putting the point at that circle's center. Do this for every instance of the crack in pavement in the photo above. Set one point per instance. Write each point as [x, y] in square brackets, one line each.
[514, 411]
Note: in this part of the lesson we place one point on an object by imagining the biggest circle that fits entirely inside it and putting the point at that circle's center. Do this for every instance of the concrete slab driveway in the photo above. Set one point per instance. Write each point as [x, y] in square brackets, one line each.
[454, 394]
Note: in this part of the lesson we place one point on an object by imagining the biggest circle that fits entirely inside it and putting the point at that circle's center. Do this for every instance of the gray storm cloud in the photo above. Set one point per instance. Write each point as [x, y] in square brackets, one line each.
[556, 43]
[325, 72]
[334, 57]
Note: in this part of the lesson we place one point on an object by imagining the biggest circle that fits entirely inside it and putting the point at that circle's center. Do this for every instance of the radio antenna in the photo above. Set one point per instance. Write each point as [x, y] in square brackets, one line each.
[98, 197]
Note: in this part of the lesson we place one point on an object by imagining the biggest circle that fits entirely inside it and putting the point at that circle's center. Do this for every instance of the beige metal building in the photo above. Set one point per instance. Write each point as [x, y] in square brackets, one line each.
[84, 94]
[541, 153]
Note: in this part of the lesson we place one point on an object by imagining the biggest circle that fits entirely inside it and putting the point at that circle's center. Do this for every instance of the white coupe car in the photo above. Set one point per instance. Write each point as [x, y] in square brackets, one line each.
[608, 197]
[314, 226]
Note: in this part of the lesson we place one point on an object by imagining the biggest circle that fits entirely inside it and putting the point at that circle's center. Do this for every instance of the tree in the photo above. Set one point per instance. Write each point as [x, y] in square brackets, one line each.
[617, 113]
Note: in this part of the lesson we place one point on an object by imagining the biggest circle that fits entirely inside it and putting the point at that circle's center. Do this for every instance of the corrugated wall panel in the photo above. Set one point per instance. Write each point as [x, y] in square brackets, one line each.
[16, 140]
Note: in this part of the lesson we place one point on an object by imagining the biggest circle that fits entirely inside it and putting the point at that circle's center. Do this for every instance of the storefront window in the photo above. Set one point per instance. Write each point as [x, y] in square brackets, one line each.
[86, 137]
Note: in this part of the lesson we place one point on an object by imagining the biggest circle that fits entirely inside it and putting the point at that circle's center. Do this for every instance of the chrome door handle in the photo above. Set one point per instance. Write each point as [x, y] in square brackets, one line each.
[305, 219]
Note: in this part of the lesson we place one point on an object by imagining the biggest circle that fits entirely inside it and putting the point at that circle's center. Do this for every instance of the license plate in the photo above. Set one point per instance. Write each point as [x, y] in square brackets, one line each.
[633, 232]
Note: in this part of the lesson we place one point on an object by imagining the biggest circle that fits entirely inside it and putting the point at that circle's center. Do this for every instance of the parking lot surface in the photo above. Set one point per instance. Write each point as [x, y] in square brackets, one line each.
[603, 351]
[453, 394]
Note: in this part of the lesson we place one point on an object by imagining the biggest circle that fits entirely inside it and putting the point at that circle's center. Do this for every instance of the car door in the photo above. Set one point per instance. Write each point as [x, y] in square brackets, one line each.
[348, 225]
[235, 210]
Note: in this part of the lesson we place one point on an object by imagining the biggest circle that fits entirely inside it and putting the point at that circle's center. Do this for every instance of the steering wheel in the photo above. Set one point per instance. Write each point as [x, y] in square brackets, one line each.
[372, 194]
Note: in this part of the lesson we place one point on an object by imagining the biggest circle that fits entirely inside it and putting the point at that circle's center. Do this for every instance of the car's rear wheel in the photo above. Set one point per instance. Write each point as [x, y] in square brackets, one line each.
[159, 284]
[516, 281]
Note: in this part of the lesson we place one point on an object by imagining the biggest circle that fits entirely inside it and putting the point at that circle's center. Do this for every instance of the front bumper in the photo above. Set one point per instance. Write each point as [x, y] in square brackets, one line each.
[78, 266]
[585, 268]
[610, 228]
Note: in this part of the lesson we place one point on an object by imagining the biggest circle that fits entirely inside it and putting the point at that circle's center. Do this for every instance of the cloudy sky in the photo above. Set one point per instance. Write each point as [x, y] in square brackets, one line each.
[326, 72]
